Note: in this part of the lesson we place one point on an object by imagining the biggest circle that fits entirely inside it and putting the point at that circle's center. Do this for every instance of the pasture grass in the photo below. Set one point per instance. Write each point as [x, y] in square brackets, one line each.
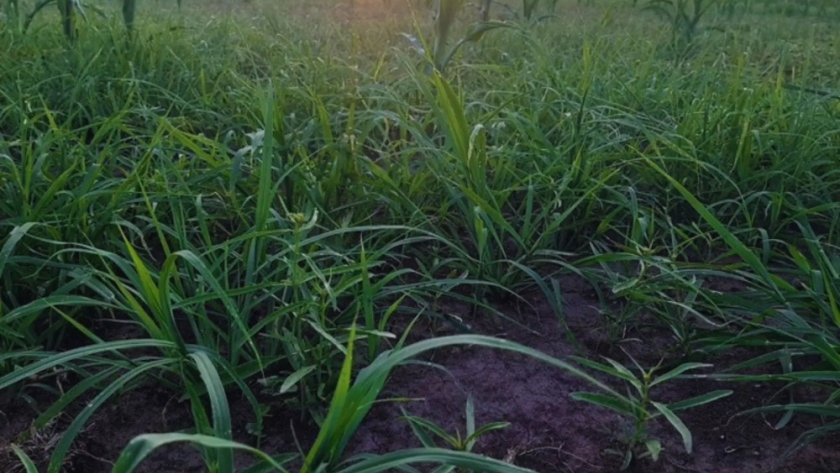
[256, 189]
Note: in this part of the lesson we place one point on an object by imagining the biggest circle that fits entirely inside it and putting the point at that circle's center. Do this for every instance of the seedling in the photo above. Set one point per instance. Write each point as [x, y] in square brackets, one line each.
[641, 409]
[422, 428]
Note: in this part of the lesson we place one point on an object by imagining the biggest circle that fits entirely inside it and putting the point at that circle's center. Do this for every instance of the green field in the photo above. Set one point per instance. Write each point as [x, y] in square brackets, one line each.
[398, 235]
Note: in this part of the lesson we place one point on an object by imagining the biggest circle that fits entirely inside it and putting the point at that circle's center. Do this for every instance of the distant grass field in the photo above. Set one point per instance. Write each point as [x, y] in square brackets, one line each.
[245, 203]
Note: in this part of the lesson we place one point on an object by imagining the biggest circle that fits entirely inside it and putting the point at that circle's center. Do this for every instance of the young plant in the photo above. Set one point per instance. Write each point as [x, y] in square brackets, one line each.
[422, 428]
[641, 409]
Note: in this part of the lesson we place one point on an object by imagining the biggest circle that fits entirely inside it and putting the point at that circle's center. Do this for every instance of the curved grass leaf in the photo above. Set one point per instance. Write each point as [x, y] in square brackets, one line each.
[142, 446]
[78, 424]
[222, 426]
[464, 460]
[677, 423]
[613, 403]
[12, 240]
[27, 462]
[53, 360]
[678, 371]
[699, 400]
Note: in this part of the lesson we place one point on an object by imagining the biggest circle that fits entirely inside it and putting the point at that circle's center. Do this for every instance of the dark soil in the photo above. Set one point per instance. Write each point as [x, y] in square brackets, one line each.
[548, 431]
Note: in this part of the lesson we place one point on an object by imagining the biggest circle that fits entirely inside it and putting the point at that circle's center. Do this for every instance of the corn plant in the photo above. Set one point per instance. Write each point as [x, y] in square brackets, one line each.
[684, 17]
[445, 17]
[528, 8]
[68, 10]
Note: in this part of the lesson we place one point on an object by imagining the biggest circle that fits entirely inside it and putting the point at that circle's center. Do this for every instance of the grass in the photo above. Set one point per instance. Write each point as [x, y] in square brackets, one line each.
[236, 197]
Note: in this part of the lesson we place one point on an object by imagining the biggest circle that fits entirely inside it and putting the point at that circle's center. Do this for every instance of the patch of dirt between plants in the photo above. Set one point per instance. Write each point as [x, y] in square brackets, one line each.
[548, 432]
[144, 410]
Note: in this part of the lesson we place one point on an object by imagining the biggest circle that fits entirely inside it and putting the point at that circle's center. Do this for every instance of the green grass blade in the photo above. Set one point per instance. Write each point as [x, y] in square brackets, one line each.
[678, 371]
[612, 403]
[142, 446]
[12, 240]
[699, 400]
[75, 427]
[677, 423]
[734, 243]
[75, 354]
[222, 426]
[465, 460]
[27, 462]
[334, 432]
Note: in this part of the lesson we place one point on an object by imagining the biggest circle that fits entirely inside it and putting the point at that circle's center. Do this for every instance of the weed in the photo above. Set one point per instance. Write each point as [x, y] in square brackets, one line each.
[422, 428]
[641, 409]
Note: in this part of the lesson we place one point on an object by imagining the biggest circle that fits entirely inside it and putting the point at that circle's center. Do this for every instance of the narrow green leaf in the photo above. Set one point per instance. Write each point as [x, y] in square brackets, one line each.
[329, 443]
[462, 460]
[610, 402]
[12, 240]
[699, 400]
[63, 446]
[72, 355]
[222, 425]
[28, 464]
[734, 243]
[483, 430]
[678, 371]
[143, 445]
[677, 423]
[293, 378]
[419, 432]
[433, 428]
[622, 373]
